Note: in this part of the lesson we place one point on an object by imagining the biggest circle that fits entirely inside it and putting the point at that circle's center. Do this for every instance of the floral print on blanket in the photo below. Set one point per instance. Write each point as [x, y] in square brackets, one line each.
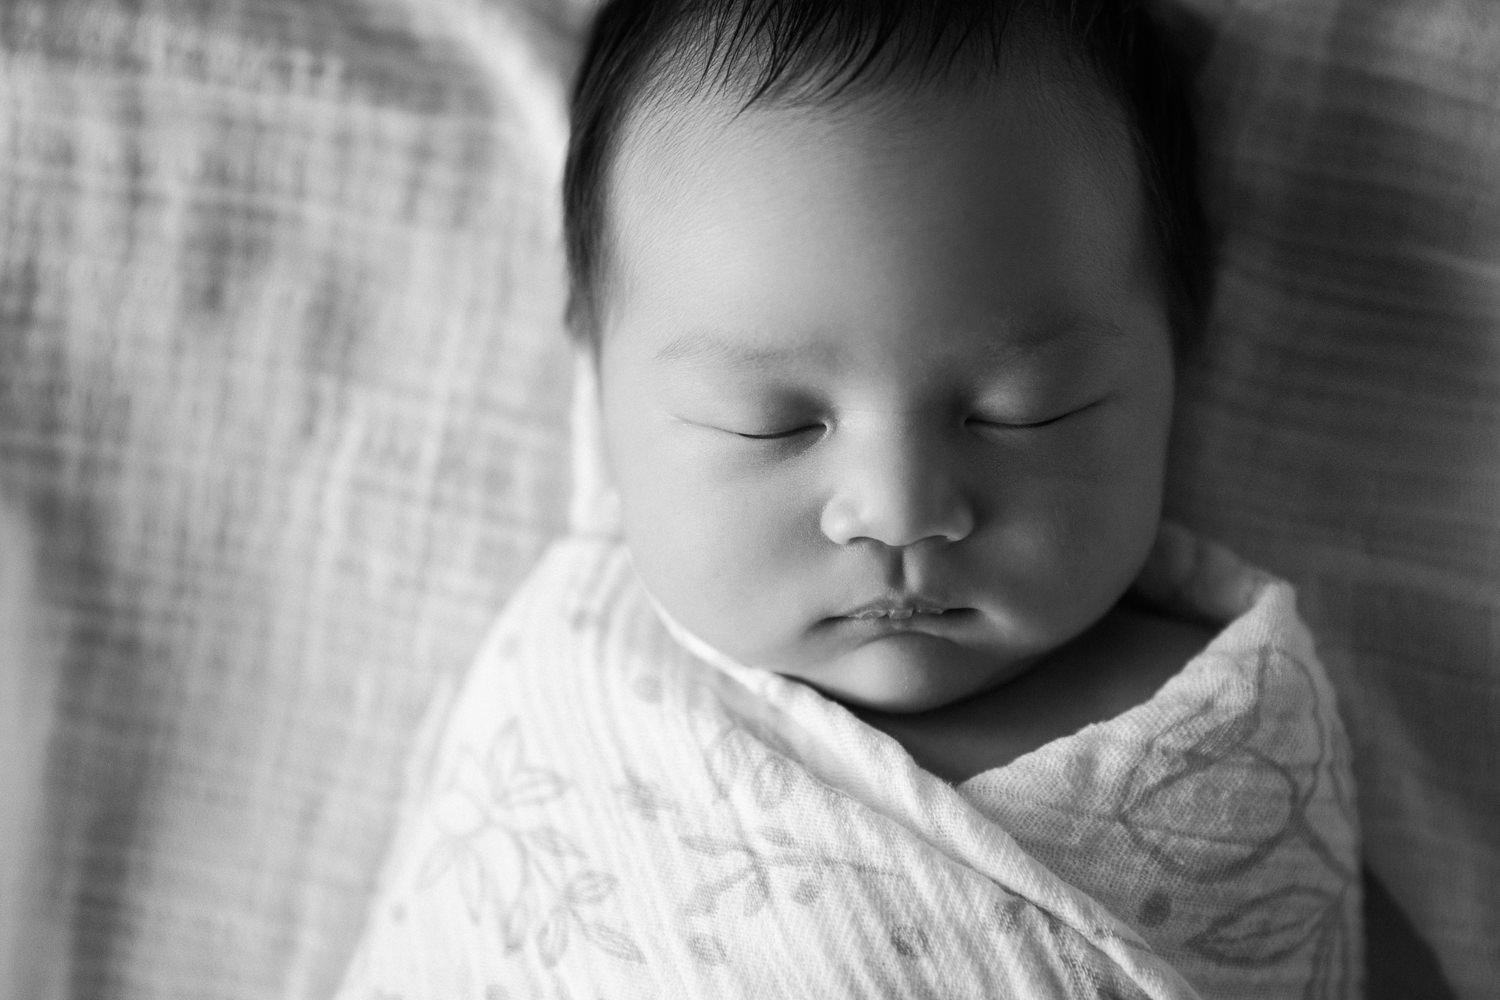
[509, 863]
[1238, 765]
[1233, 806]
[613, 816]
[744, 869]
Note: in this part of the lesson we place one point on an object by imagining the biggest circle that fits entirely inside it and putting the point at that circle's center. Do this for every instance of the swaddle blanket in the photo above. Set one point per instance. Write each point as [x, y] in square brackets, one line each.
[610, 814]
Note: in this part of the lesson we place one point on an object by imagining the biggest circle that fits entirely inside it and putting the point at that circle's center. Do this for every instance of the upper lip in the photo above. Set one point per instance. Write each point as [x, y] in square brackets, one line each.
[897, 607]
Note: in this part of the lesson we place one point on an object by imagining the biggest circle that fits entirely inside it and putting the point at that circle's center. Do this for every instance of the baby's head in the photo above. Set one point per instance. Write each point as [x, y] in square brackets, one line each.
[884, 298]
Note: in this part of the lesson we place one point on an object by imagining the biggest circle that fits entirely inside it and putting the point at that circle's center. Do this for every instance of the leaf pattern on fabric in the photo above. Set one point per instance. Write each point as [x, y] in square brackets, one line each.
[552, 938]
[755, 870]
[1213, 798]
[612, 941]
[736, 757]
[746, 872]
[553, 842]
[510, 864]
[910, 941]
[746, 855]
[646, 798]
[1196, 799]
[1183, 798]
[771, 865]
[707, 948]
[591, 887]
[1078, 967]
[1266, 928]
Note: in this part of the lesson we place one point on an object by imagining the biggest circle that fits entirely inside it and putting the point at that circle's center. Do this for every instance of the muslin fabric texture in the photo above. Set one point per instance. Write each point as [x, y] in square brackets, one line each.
[283, 393]
[616, 808]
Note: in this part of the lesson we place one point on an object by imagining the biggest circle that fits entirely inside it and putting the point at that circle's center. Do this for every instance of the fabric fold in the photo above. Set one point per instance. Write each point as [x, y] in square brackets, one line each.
[611, 813]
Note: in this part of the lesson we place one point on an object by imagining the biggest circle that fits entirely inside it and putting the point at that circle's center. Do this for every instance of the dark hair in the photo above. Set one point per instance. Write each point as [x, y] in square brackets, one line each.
[805, 51]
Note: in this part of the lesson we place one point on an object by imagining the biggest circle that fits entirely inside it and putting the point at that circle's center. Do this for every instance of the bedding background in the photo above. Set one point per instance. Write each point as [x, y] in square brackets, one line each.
[283, 396]
[1343, 428]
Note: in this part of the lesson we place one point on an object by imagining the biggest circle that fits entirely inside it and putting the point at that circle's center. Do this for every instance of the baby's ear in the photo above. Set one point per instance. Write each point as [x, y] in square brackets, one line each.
[594, 503]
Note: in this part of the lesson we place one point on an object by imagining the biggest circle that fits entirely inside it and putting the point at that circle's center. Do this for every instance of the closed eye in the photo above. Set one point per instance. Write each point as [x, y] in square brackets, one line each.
[780, 435]
[1026, 425]
[1017, 425]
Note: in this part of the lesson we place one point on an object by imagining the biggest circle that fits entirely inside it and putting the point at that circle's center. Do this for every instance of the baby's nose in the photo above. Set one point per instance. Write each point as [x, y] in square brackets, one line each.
[898, 488]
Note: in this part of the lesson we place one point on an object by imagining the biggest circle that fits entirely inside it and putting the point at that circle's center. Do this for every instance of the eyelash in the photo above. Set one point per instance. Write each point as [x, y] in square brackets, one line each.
[997, 424]
[1032, 425]
[779, 435]
[1037, 424]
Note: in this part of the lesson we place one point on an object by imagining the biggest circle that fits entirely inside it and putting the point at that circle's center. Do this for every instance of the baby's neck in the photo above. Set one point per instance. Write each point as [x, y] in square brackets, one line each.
[1119, 663]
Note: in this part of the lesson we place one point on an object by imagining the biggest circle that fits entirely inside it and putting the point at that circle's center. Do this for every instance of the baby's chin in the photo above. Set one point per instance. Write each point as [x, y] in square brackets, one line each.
[910, 673]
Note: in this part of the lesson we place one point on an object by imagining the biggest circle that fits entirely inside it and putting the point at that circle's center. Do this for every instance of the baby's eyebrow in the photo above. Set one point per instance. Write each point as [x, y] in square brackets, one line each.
[1045, 332]
[737, 352]
[723, 347]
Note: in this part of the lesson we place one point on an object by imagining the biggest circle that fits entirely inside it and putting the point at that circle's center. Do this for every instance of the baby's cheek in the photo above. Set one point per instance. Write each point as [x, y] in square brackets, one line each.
[728, 570]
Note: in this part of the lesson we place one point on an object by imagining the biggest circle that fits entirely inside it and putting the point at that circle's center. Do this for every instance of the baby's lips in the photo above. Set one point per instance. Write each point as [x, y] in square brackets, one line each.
[900, 606]
[898, 613]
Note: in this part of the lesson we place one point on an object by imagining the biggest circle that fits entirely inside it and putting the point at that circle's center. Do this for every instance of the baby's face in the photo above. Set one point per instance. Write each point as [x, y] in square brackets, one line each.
[862, 367]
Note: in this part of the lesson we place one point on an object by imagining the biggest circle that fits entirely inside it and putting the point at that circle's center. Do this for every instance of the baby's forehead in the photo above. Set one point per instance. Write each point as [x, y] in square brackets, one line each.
[657, 99]
[804, 221]
[692, 139]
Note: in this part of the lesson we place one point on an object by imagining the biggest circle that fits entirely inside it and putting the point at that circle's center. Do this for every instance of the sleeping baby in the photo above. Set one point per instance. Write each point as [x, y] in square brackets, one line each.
[890, 680]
